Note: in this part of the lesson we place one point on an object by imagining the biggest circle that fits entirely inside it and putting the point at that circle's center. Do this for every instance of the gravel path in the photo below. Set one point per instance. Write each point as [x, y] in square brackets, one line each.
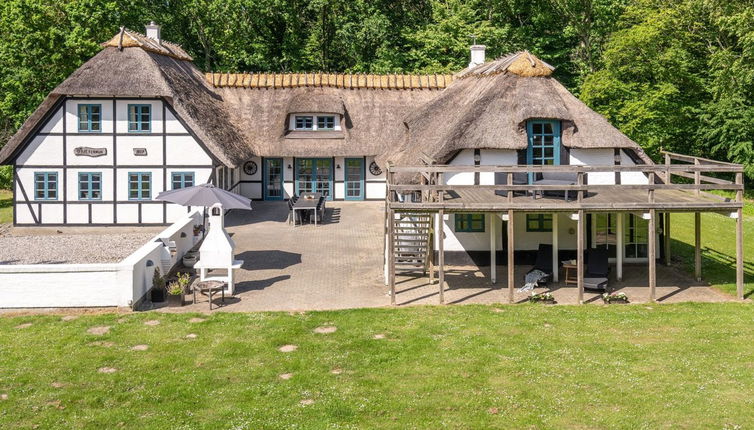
[70, 248]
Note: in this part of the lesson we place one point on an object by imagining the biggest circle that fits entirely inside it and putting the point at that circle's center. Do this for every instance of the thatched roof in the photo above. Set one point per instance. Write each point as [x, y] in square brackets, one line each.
[372, 118]
[487, 106]
[131, 39]
[294, 80]
[135, 71]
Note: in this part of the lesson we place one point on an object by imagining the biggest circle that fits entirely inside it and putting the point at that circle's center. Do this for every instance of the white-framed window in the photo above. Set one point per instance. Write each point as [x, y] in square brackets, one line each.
[314, 122]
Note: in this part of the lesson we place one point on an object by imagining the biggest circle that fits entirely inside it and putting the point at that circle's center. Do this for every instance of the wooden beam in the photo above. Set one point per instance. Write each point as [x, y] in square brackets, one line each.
[652, 257]
[605, 168]
[555, 262]
[619, 247]
[391, 255]
[666, 238]
[698, 246]
[493, 248]
[511, 251]
[441, 255]
[580, 256]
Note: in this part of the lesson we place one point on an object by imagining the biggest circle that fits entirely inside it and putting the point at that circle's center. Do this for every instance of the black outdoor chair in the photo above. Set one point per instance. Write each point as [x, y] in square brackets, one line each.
[597, 269]
[291, 213]
[543, 262]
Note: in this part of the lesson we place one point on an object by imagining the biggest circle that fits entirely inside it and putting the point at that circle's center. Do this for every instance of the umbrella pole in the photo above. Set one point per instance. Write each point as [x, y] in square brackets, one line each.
[204, 222]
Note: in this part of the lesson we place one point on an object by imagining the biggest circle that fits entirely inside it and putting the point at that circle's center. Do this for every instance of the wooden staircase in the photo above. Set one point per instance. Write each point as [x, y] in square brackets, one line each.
[412, 241]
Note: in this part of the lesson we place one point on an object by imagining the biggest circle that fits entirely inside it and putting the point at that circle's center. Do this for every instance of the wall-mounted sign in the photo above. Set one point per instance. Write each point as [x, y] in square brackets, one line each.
[140, 152]
[89, 152]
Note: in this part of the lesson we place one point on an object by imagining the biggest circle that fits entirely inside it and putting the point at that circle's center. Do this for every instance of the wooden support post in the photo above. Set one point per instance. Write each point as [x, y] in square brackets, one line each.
[391, 254]
[441, 255]
[652, 257]
[510, 182]
[493, 247]
[580, 256]
[740, 255]
[555, 262]
[651, 192]
[698, 246]
[619, 247]
[740, 239]
[511, 252]
[666, 238]
[697, 177]
[431, 248]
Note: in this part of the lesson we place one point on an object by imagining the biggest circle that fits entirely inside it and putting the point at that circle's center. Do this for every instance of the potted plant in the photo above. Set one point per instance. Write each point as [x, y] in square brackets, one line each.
[546, 298]
[177, 289]
[610, 298]
[198, 229]
[157, 294]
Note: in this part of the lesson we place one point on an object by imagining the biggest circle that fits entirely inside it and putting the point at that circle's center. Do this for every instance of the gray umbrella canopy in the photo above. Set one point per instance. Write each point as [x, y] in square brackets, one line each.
[205, 195]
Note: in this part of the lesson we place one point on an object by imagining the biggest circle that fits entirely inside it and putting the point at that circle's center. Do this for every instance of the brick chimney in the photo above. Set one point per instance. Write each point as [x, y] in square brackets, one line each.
[153, 32]
[477, 55]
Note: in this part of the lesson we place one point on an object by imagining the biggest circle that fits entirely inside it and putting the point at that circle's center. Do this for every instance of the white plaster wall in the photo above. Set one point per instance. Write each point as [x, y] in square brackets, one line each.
[55, 123]
[375, 185]
[153, 145]
[631, 177]
[79, 214]
[101, 214]
[185, 150]
[83, 285]
[128, 213]
[172, 125]
[594, 157]
[42, 150]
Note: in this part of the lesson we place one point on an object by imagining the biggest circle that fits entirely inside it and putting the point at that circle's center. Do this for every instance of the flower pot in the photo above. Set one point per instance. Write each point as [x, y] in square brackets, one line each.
[189, 260]
[544, 302]
[616, 302]
[175, 300]
[157, 295]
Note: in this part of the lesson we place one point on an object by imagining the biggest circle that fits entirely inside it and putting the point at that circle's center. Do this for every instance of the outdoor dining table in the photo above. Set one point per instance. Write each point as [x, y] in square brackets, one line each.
[307, 202]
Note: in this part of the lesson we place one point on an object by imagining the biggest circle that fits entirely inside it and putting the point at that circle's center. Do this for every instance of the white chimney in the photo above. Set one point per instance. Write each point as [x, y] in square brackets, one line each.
[477, 55]
[153, 32]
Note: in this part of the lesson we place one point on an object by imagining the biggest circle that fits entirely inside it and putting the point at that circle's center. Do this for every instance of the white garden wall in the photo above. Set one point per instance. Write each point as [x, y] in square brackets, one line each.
[84, 285]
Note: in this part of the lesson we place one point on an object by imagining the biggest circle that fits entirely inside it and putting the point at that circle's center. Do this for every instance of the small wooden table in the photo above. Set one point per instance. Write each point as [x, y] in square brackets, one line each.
[209, 289]
[571, 278]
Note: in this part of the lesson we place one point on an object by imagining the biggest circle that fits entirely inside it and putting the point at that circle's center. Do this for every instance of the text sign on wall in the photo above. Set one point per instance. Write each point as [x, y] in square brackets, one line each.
[89, 152]
[140, 152]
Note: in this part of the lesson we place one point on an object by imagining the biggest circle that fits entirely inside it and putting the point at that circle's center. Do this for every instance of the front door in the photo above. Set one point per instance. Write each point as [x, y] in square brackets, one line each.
[544, 143]
[354, 178]
[273, 178]
[314, 175]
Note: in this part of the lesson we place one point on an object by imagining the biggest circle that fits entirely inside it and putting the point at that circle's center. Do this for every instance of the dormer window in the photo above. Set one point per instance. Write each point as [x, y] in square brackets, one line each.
[314, 122]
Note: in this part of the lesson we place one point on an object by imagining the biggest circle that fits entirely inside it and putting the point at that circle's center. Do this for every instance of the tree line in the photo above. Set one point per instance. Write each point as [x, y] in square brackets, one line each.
[672, 74]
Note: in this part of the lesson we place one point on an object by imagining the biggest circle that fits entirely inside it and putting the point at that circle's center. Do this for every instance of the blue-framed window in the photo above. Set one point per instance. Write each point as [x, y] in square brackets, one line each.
[90, 186]
[45, 186]
[354, 178]
[182, 179]
[139, 186]
[469, 223]
[90, 118]
[139, 118]
[538, 223]
[544, 143]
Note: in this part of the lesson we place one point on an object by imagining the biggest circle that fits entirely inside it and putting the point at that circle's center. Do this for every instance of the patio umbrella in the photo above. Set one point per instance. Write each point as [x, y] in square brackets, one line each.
[205, 195]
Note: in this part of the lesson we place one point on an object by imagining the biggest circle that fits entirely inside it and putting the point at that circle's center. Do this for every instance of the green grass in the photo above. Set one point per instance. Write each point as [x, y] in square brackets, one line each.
[718, 247]
[6, 206]
[473, 366]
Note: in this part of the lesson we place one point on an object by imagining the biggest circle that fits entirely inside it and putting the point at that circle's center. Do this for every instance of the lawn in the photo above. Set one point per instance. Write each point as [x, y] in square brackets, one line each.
[6, 206]
[472, 366]
[718, 247]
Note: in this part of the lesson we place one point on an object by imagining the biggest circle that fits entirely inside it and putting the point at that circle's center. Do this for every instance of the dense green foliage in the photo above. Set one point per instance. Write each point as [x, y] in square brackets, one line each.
[677, 74]
[468, 366]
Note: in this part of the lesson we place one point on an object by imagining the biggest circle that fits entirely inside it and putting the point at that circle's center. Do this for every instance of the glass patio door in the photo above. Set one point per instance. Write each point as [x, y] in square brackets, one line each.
[314, 175]
[273, 178]
[354, 178]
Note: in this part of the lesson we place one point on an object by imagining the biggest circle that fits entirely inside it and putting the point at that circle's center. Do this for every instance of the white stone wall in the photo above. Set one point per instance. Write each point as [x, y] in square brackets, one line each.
[52, 149]
[82, 285]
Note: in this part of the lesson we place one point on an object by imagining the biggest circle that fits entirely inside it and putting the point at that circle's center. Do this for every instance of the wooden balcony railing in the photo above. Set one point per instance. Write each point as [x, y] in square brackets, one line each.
[706, 175]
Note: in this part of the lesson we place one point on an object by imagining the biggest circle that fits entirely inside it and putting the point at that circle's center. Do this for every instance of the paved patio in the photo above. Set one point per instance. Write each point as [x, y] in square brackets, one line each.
[338, 265]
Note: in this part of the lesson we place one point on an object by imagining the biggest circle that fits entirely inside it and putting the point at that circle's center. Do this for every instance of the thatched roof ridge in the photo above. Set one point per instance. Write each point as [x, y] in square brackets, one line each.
[372, 120]
[333, 80]
[132, 39]
[487, 107]
[136, 72]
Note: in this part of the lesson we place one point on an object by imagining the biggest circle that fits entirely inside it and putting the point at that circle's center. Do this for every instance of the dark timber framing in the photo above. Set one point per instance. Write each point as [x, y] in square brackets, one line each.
[659, 196]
